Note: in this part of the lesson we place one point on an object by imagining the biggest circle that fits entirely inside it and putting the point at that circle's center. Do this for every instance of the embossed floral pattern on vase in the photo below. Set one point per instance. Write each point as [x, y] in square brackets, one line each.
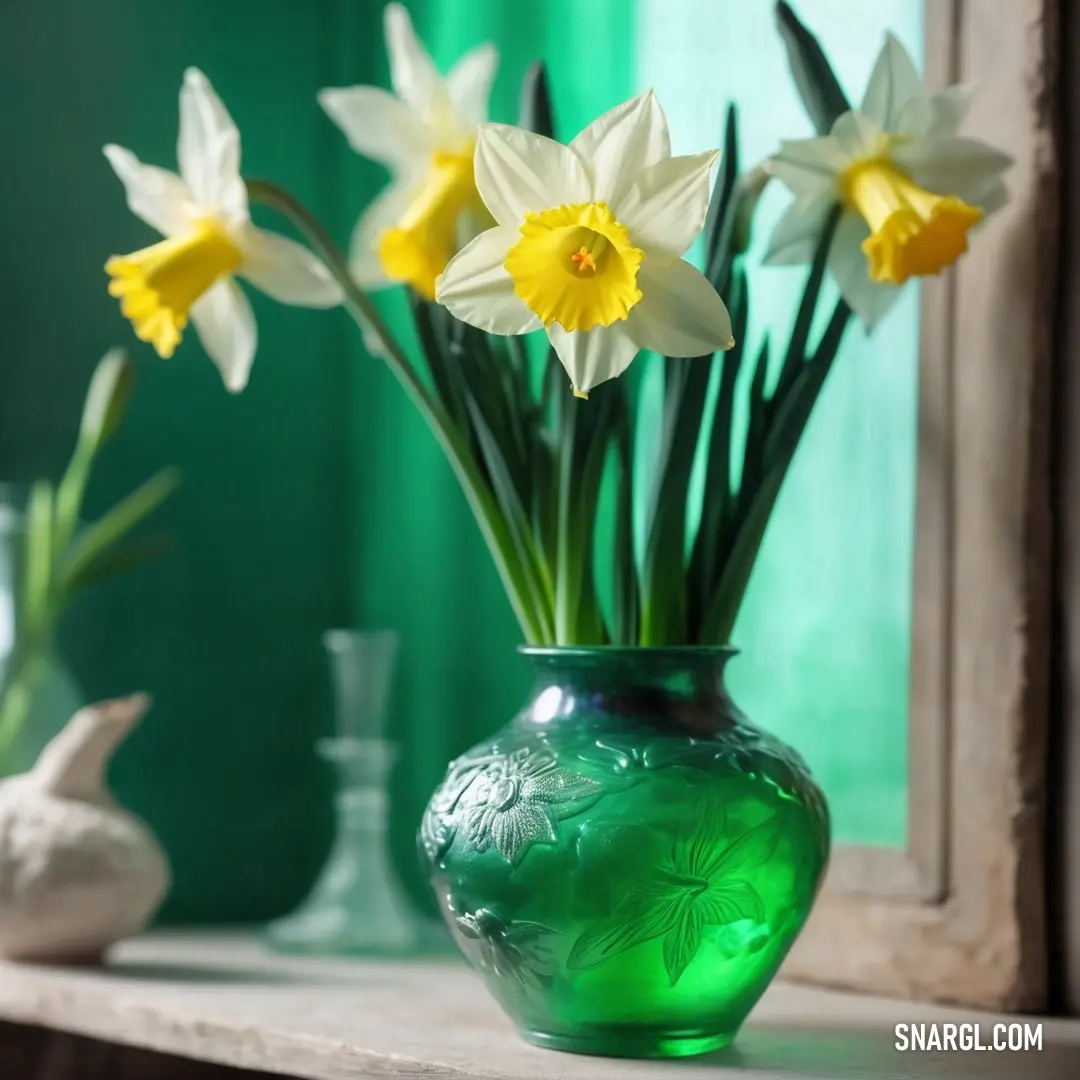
[628, 861]
[520, 951]
[437, 827]
[675, 890]
[516, 801]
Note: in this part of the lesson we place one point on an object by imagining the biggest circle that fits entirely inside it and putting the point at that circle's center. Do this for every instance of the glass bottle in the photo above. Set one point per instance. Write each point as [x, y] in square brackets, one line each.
[357, 905]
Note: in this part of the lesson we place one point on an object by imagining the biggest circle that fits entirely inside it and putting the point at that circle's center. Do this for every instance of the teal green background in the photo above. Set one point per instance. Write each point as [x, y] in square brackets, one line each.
[317, 498]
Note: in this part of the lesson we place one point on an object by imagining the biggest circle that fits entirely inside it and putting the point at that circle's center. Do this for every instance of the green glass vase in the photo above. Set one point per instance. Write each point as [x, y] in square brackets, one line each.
[628, 861]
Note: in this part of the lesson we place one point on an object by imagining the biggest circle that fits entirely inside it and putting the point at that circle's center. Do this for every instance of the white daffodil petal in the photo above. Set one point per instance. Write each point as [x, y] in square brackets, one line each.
[157, 196]
[894, 83]
[471, 222]
[413, 74]
[867, 299]
[208, 150]
[379, 126]
[622, 142]
[938, 115]
[797, 234]
[286, 270]
[821, 154]
[665, 208]
[856, 136]
[808, 166]
[226, 327]
[591, 357]
[476, 288]
[382, 213]
[518, 171]
[679, 313]
[949, 165]
[988, 197]
[988, 193]
[469, 82]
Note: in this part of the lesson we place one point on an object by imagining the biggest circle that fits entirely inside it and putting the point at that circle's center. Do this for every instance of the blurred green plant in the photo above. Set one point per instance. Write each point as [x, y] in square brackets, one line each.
[60, 557]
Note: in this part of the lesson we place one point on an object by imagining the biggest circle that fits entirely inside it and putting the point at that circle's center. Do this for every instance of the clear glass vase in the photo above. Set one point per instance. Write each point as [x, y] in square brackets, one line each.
[358, 905]
[51, 693]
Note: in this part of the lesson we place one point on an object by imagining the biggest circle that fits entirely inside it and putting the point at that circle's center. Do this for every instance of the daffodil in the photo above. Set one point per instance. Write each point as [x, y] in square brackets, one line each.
[589, 244]
[203, 213]
[424, 135]
[909, 187]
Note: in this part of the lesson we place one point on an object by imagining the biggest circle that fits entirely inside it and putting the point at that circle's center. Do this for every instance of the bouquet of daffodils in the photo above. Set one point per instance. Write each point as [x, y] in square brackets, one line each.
[501, 233]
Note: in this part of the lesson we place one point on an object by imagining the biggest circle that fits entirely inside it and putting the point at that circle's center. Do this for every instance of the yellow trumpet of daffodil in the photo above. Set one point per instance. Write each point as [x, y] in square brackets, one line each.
[910, 189]
[203, 213]
[424, 134]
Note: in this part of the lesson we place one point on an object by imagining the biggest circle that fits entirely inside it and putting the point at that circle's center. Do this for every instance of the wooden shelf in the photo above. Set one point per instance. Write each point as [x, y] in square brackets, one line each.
[223, 999]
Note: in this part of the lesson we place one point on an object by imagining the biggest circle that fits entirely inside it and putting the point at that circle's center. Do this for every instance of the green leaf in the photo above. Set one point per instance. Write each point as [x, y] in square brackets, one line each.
[794, 411]
[590, 628]
[107, 397]
[729, 224]
[117, 523]
[488, 382]
[717, 218]
[519, 378]
[773, 434]
[104, 407]
[518, 407]
[22, 676]
[821, 94]
[513, 510]
[113, 562]
[544, 507]
[718, 503]
[663, 602]
[625, 578]
[38, 573]
[583, 431]
[476, 380]
[782, 441]
[432, 328]
[753, 457]
[804, 317]
[748, 194]
[535, 113]
[70, 494]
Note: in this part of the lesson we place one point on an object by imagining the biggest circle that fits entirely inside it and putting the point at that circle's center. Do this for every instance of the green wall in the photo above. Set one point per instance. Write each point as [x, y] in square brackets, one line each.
[318, 498]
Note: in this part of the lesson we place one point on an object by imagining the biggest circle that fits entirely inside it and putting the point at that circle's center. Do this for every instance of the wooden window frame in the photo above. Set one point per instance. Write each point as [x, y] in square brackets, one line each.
[959, 916]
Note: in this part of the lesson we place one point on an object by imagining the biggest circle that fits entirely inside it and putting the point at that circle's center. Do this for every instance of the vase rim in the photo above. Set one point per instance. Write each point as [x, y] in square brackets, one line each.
[657, 652]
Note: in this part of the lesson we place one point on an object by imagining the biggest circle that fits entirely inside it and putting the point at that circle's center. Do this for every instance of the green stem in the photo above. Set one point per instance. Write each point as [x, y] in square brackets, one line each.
[26, 666]
[479, 496]
[69, 496]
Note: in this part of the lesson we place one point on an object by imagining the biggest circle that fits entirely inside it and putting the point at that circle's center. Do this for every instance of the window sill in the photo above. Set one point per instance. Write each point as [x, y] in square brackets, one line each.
[222, 999]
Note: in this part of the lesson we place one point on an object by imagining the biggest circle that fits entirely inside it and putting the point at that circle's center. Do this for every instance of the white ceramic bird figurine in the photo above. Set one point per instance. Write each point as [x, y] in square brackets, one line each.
[77, 872]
